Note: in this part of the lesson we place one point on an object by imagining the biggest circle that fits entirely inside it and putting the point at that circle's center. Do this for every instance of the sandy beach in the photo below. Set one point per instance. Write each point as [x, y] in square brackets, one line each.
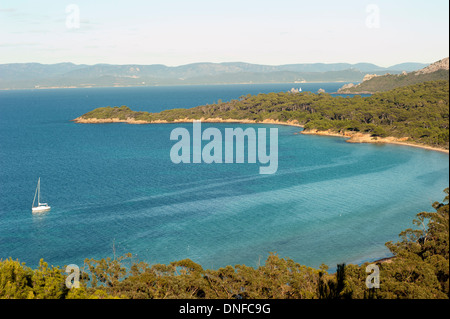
[185, 120]
[352, 137]
[355, 137]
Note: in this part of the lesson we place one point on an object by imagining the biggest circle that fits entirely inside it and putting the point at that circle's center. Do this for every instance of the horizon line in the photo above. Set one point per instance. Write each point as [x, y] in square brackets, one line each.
[224, 62]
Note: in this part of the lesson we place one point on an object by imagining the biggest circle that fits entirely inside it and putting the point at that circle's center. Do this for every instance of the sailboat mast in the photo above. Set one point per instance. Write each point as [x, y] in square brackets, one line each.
[36, 192]
[39, 189]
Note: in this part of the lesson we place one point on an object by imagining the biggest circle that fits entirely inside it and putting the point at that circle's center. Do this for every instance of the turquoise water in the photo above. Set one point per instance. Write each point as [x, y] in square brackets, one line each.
[113, 188]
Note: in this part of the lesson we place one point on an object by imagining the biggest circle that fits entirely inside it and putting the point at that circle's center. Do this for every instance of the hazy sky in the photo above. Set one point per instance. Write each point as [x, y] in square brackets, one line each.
[174, 32]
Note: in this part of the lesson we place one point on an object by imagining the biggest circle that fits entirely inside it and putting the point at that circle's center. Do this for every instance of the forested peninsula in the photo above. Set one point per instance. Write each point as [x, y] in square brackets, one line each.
[416, 115]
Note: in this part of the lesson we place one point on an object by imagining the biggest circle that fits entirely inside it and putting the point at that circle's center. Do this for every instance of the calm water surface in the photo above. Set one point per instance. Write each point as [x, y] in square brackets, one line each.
[113, 187]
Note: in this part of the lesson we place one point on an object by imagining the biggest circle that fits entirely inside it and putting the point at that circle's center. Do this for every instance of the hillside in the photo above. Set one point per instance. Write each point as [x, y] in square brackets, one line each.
[418, 113]
[35, 75]
[373, 83]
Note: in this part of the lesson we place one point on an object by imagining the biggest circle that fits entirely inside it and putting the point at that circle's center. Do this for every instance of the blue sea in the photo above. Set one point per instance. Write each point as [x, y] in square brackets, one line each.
[113, 188]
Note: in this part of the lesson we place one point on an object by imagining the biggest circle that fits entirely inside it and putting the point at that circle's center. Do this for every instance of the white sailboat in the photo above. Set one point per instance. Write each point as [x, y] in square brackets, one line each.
[41, 207]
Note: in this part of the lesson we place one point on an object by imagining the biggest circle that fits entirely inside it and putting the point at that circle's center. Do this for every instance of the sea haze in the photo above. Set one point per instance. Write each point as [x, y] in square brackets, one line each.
[113, 188]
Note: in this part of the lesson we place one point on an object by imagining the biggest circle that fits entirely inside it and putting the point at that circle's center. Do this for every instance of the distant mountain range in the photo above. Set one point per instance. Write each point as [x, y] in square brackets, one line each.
[374, 83]
[36, 75]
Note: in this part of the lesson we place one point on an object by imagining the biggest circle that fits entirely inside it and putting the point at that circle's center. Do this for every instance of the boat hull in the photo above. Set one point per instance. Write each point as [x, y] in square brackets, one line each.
[40, 209]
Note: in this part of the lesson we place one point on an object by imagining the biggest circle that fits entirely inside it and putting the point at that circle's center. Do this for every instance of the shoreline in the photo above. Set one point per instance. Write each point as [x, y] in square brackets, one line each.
[352, 137]
[81, 120]
[158, 85]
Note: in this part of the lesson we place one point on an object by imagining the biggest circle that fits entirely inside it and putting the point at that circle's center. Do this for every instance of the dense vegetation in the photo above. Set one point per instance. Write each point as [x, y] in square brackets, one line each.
[419, 269]
[391, 81]
[419, 112]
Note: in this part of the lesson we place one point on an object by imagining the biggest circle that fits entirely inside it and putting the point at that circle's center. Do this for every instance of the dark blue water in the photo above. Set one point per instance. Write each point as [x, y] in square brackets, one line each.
[113, 188]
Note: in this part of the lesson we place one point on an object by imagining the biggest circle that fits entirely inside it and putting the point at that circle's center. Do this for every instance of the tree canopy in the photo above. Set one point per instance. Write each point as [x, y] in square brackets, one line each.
[419, 112]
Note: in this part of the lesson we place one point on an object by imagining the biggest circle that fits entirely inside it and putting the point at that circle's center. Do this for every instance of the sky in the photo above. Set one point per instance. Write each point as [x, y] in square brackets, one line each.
[174, 32]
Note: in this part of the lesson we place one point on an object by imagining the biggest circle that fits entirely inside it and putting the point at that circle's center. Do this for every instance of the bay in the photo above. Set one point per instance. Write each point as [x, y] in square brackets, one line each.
[113, 188]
